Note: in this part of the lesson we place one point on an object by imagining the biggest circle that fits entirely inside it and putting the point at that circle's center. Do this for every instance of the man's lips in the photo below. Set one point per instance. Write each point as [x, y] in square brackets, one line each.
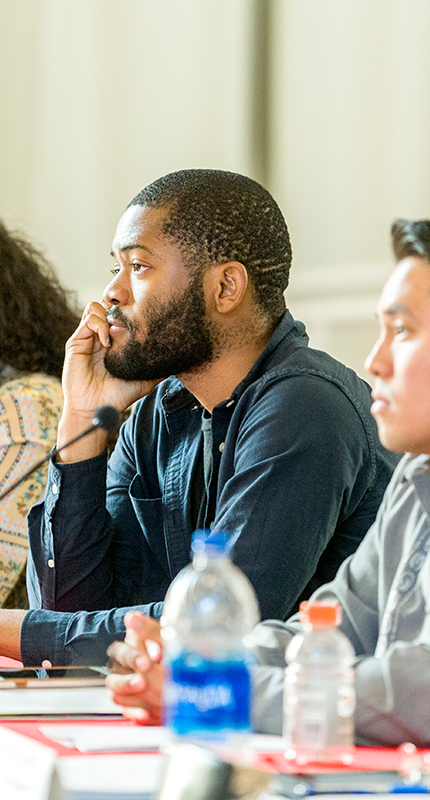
[115, 325]
[380, 403]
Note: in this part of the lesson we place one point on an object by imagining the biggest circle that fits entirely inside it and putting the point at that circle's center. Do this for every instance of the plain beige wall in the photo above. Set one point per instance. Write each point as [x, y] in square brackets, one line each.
[350, 152]
[99, 97]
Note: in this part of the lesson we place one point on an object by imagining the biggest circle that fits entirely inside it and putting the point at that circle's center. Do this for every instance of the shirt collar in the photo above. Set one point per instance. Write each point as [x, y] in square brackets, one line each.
[416, 465]
[417, 471]
[288, 328]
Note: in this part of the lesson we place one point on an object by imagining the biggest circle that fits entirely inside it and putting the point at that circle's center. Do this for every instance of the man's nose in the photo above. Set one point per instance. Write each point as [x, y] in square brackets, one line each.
[379, 360]
[117, 292]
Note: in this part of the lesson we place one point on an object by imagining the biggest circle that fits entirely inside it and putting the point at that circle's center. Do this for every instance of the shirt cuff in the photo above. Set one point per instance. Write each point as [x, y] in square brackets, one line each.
[42, 637]
[83, 482]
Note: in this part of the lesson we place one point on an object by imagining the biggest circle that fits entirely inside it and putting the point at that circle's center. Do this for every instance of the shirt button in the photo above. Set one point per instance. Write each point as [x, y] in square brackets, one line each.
[221, 447]
[51, 562]
[54, 488]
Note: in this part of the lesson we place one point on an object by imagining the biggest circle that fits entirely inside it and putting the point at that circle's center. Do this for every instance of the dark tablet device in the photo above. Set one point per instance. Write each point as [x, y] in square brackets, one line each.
[37, 677]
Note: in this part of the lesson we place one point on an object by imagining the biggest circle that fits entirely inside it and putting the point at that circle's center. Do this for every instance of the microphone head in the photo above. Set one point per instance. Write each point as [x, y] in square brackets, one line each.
[106, 417]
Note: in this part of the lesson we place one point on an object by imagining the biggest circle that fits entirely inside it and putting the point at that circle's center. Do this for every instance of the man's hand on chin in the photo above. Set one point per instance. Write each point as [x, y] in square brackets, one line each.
[136, 679]
[87, 385]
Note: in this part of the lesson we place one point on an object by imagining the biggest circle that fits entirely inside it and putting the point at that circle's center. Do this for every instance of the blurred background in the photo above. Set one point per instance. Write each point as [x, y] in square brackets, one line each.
[325, 102]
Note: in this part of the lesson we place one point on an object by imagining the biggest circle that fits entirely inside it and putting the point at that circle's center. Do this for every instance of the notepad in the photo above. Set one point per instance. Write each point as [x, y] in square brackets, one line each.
[23, 701]
[123, 777]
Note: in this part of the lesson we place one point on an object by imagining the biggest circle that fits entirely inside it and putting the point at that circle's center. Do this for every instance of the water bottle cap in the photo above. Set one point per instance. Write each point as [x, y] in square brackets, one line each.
[320, 613]
[211, 544]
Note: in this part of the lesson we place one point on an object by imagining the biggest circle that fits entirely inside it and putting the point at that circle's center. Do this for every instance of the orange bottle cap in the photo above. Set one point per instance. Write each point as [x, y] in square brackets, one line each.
[320, 613]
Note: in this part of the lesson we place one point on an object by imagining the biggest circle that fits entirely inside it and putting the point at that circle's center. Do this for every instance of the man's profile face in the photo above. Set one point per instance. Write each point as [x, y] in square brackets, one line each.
[157, 315]
[400, 359]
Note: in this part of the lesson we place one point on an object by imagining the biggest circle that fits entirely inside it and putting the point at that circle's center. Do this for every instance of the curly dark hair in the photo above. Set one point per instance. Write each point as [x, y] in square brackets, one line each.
[411, 238]
[216, 216]
[37, 315]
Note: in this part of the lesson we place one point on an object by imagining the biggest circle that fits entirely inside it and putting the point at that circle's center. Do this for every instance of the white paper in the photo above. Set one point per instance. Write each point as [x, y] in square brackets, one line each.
[266, 743]
[122, 774]
[23, 701]
[100, 738]
[27, 769]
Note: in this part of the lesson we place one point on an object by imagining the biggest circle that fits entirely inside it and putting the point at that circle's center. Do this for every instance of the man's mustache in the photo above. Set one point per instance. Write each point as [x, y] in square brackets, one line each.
[114, 314]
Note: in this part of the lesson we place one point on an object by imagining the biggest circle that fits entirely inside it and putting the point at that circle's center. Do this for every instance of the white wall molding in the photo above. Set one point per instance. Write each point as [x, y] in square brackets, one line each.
[337, 305]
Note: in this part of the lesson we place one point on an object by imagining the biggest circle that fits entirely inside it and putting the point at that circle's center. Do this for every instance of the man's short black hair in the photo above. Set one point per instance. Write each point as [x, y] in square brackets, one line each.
[216, 216]
[411, 238]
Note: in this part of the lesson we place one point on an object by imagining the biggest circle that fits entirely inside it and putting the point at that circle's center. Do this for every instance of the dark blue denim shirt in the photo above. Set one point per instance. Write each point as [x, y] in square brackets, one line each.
[290, 465]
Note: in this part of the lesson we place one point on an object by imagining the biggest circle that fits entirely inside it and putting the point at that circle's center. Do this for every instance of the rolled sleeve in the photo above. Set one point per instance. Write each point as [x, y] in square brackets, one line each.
[82, 637]
[42, 637]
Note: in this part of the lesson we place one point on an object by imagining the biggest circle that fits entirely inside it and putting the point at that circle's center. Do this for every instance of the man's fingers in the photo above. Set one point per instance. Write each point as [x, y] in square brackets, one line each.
[139, 715]
[141, 646]
[137, 690]
[93, 321]
[93, 324]
[123, 657]
[141, 628]
[129, 685]
[95, 307]
[154, 650]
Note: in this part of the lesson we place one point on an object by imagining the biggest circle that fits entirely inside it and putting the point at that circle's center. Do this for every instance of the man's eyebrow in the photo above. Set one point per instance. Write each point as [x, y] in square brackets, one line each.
[132, 246]
[396, 308]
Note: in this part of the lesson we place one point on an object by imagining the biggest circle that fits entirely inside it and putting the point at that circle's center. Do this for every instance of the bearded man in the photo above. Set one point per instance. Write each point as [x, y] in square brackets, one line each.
[257, 434]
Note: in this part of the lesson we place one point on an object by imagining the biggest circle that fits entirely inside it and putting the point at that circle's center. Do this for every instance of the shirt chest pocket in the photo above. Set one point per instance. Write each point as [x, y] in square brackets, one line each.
[149, 515]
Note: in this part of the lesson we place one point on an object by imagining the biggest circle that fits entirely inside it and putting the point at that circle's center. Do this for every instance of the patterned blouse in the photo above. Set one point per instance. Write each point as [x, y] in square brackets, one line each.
[30, 408]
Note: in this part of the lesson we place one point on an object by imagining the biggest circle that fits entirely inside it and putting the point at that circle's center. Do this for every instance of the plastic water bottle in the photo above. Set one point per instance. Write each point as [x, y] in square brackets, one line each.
[319, 695]
[208, 617]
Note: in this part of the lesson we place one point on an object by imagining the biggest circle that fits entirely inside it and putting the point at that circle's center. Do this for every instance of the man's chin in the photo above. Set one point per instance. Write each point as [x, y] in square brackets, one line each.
[392, 440]
[127, 370]
[115, 365]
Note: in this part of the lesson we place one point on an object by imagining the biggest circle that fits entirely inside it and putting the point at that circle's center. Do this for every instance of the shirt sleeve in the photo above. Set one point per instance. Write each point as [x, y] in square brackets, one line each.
[355, 589]
[300, 496]
[88, 551]
[390, 707]
[389, 688]
[69, 639]
[81, 580]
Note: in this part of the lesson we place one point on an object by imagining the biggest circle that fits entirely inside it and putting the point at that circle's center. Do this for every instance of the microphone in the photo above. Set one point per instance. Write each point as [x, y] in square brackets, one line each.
[106, 417]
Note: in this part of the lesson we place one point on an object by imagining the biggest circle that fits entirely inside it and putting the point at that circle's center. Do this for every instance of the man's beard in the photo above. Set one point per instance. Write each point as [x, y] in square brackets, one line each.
[177, 338]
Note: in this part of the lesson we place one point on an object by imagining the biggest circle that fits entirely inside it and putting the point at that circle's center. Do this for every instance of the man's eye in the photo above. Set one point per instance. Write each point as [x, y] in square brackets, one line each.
[137, 267]
[114, 271]
[399, 328]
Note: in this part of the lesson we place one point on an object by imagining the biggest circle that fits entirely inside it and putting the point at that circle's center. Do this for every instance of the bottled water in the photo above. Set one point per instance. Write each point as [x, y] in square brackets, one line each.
[209, 613]
[319, 695]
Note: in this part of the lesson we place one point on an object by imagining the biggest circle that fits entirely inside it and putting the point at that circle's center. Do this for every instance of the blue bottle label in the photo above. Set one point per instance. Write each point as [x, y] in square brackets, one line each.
[207, 698]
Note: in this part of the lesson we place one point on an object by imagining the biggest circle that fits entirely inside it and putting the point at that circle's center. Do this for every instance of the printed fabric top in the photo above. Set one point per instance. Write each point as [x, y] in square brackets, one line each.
[30, 408]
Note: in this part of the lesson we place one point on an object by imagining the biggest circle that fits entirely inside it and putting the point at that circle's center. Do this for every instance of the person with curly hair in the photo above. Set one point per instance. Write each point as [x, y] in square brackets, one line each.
[36, 318]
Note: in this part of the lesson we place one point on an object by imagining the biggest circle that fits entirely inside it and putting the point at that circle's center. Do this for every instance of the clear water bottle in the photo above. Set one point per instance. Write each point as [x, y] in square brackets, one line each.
[319, 695]
[208, 617]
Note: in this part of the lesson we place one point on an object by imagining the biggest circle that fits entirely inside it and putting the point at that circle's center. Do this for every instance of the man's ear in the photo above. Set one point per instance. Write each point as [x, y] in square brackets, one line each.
[230, 284]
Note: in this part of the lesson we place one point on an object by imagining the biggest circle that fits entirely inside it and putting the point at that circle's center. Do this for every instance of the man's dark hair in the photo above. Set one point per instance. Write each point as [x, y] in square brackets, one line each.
[411, 238]
[216, 216]
[37, 315]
